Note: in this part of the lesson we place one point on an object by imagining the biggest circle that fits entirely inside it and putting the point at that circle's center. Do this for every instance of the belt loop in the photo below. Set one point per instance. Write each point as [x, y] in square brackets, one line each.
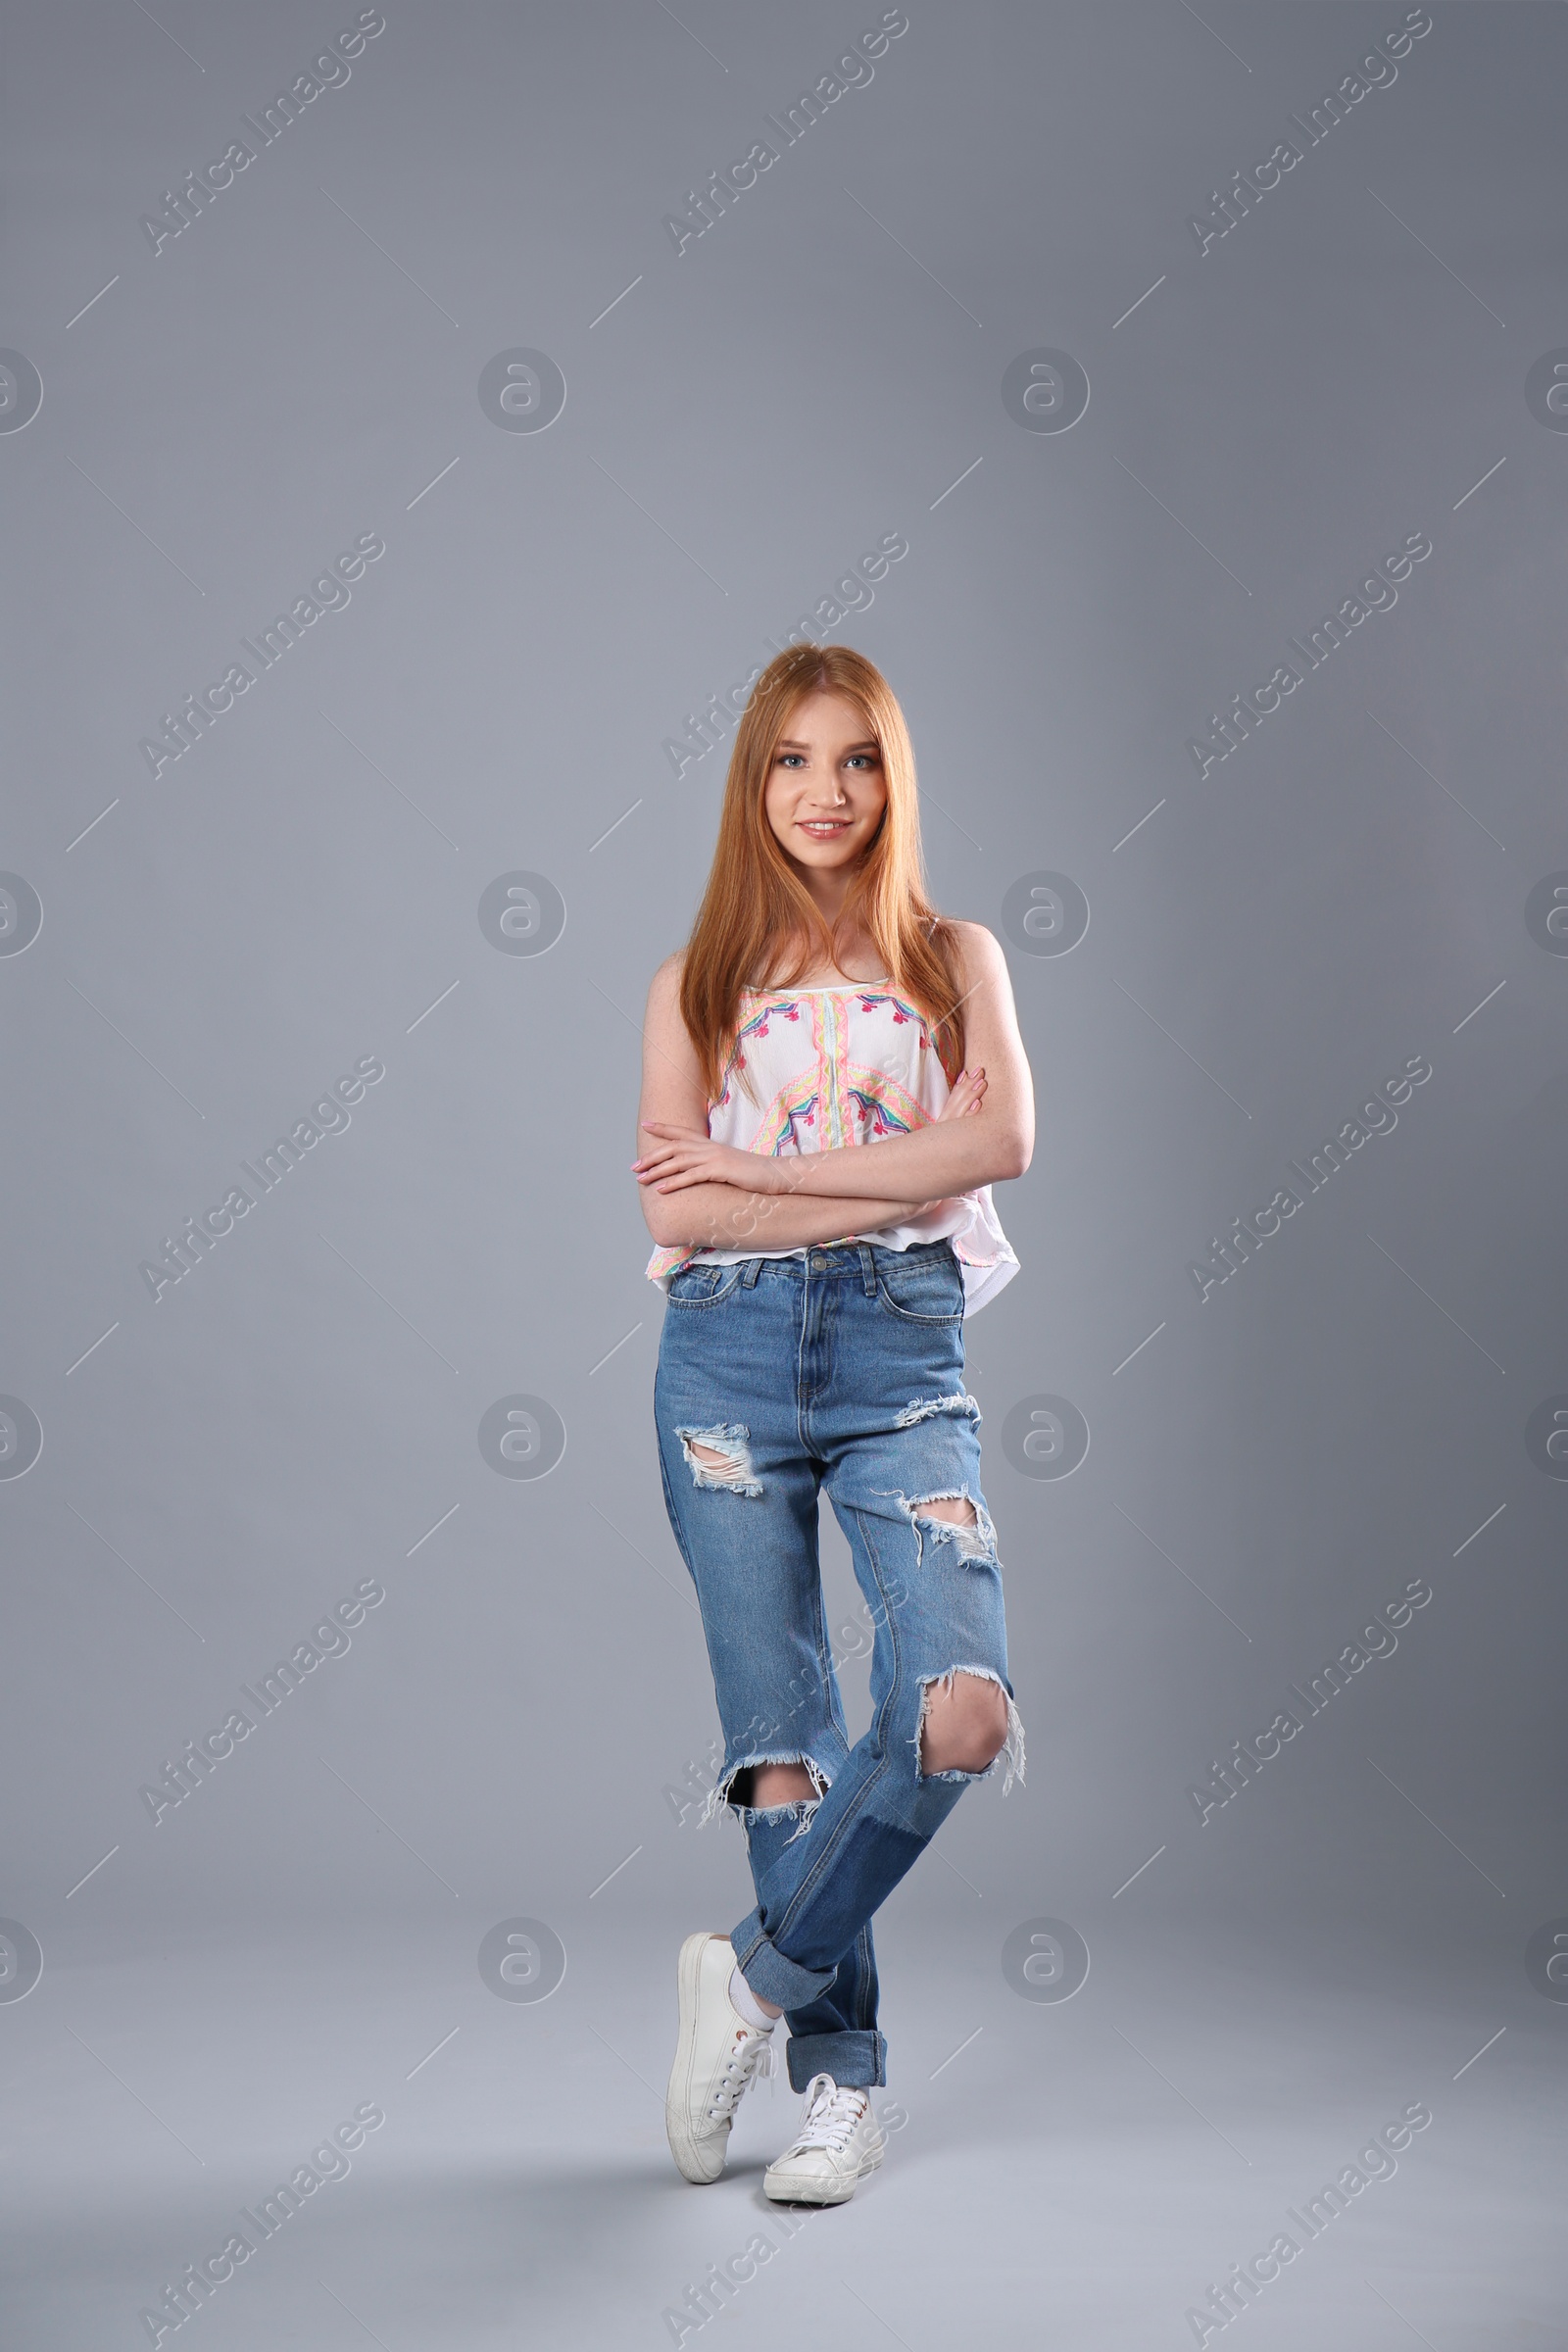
[867, 1268]
[750, 1271]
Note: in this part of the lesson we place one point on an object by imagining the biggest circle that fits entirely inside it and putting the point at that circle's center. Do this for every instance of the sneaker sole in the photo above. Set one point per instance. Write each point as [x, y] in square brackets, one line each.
[818, 2190]
[690, 2161]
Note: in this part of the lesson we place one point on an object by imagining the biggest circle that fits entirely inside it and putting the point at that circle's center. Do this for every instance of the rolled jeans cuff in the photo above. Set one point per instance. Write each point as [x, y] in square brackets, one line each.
[782, 1981]
[857, 2059]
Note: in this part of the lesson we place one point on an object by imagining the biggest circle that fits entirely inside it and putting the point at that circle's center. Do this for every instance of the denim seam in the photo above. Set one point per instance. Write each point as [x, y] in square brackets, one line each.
[824, 1855]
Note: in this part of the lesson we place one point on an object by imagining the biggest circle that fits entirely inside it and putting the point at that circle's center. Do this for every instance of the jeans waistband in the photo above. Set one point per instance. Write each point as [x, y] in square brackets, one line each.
[860, 1258]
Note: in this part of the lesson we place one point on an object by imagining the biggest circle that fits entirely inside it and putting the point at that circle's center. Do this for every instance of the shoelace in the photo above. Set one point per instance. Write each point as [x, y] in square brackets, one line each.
[752, 2054]
[830, 2116]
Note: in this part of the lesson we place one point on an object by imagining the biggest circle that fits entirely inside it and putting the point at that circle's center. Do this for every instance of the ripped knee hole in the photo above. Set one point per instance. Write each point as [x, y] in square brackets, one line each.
[962, 1729]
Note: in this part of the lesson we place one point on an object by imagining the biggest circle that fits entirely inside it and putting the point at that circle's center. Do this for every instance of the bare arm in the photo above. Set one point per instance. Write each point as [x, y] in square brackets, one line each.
[718, 1216]
[724, 1216]
[957, 1155]
[938, 1161]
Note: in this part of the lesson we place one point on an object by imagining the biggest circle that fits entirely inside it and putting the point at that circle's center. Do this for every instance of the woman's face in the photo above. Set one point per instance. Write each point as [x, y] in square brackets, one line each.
[826, 791]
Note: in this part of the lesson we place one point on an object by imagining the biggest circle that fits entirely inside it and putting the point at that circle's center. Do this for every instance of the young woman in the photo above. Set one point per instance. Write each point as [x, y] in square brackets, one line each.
[813, 1337]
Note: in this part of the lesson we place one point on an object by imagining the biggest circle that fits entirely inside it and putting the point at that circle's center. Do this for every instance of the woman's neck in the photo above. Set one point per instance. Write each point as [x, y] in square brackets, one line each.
[863, 962]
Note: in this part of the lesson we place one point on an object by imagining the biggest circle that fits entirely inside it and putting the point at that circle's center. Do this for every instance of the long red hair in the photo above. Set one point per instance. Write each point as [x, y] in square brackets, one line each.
[757, 914]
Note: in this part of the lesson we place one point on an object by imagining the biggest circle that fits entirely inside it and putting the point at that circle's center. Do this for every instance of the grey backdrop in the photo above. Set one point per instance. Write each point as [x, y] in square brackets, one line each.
[520, 1730]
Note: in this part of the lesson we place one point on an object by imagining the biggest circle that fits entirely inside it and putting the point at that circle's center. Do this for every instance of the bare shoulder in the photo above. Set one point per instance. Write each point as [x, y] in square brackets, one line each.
[664, 990]
[979, 950]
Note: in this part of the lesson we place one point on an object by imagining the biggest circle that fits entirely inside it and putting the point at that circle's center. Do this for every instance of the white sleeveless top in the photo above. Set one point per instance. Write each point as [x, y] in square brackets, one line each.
[841, 1065]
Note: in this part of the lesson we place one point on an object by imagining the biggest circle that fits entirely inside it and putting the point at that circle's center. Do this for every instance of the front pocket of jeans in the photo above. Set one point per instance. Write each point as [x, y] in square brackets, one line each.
[929, 1294]
[702, 1286]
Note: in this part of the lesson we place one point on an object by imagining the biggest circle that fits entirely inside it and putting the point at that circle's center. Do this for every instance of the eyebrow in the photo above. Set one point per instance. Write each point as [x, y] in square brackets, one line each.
[791, 743]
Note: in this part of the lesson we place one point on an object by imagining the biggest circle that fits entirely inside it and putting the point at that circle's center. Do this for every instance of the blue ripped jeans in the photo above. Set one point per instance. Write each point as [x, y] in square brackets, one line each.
[843, 1369]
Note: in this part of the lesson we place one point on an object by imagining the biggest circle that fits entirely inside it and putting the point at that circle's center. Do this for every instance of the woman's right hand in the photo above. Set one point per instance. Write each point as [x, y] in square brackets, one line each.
[965, 1095]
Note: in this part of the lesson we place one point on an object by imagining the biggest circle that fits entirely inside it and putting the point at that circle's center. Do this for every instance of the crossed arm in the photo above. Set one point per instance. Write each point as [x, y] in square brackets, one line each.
[699, 1194]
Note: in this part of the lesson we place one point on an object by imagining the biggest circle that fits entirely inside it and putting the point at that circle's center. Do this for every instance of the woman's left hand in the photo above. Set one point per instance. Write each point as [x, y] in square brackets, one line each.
[685, 1155]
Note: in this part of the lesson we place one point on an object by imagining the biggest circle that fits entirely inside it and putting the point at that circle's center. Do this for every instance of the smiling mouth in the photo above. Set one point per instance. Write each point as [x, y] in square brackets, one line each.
[824, 828]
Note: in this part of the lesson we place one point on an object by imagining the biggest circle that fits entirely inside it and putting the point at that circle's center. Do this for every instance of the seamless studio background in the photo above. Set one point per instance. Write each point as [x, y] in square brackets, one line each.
[416, 428]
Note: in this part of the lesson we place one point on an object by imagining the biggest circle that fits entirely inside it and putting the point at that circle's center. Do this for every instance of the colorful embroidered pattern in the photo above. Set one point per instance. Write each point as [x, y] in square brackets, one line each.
[831, 1068]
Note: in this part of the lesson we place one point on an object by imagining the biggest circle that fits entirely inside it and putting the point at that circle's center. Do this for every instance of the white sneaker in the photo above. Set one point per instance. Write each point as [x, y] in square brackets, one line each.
[839, 2142]
[716, 2057]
